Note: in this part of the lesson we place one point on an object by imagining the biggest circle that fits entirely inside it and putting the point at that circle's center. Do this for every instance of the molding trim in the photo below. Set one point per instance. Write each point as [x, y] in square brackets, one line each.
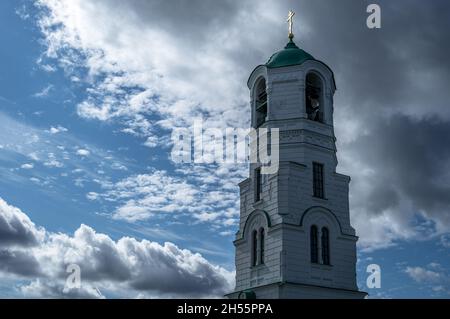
[284, 283]
[256, 212]
[309, 210]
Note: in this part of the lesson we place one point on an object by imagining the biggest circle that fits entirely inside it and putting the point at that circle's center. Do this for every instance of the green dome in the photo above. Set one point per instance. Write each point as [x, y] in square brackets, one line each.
[291, 55]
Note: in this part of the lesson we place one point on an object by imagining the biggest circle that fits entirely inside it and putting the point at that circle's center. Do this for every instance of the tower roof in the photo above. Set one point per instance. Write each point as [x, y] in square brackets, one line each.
[290, 55]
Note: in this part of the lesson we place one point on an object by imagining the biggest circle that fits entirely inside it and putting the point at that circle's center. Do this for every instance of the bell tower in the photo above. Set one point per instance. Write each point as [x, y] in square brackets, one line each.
[295, 239]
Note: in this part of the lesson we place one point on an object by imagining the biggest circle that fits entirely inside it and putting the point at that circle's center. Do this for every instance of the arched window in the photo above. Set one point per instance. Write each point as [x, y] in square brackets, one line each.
[314, 98]
[262, 248]
[325, 246]
[254, 248]
[314, 245]
[261, 103]
[318, 180]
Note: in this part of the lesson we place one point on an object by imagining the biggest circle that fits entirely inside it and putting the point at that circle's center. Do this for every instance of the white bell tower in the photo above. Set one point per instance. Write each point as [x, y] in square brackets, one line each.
[295, 239]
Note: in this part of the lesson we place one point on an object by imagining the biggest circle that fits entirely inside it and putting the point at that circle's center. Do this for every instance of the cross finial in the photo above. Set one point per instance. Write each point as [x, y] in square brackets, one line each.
[290, 20]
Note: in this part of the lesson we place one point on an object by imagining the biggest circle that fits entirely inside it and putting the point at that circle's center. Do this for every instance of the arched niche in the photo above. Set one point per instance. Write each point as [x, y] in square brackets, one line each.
[260, 102]
[314, 97]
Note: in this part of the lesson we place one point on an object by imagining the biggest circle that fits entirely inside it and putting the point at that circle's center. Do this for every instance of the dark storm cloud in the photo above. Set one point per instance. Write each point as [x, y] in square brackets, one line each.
[387, 68]
[19, 263]
[15, 234]
[16, 229]
[194, 23]
[192, 18]
[401, 66]
[139, 266]
[411, 159]
[172, 278]
[394, 82]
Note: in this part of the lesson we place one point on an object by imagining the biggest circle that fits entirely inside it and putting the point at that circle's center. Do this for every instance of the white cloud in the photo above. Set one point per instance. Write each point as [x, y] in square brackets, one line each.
[40, 288]
[126, 267]
[27, 166]
[119, 167]
[423, 275]
[152, 141]
[83, 152]
[445, 241]
[33, 156]
[169, 84]
[44, 92]
[207, 217]
[433, 277]
[226, 233]
[54, 151]
[35, 180]
[92, 196]
[52, 162]
[205, 196]
[435, 265]
[22, 12]
[57, 130]
[48, 68]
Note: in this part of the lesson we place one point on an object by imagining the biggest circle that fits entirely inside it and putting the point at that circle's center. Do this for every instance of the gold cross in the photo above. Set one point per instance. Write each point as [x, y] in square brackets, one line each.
[290, 20]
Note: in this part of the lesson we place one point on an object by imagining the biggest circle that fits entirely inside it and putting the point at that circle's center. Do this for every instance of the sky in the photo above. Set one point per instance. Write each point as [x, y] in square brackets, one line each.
[90, 92]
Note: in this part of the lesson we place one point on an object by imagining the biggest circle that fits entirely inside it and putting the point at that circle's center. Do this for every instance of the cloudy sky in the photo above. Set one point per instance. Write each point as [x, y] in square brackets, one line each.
[90, 92]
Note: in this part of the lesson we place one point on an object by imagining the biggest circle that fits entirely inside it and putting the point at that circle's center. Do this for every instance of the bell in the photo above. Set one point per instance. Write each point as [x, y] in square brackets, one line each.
[315, 103]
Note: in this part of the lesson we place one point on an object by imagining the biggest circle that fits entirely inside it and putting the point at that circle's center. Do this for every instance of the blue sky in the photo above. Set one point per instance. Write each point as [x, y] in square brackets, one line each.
[56, 201]
[87, 104]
